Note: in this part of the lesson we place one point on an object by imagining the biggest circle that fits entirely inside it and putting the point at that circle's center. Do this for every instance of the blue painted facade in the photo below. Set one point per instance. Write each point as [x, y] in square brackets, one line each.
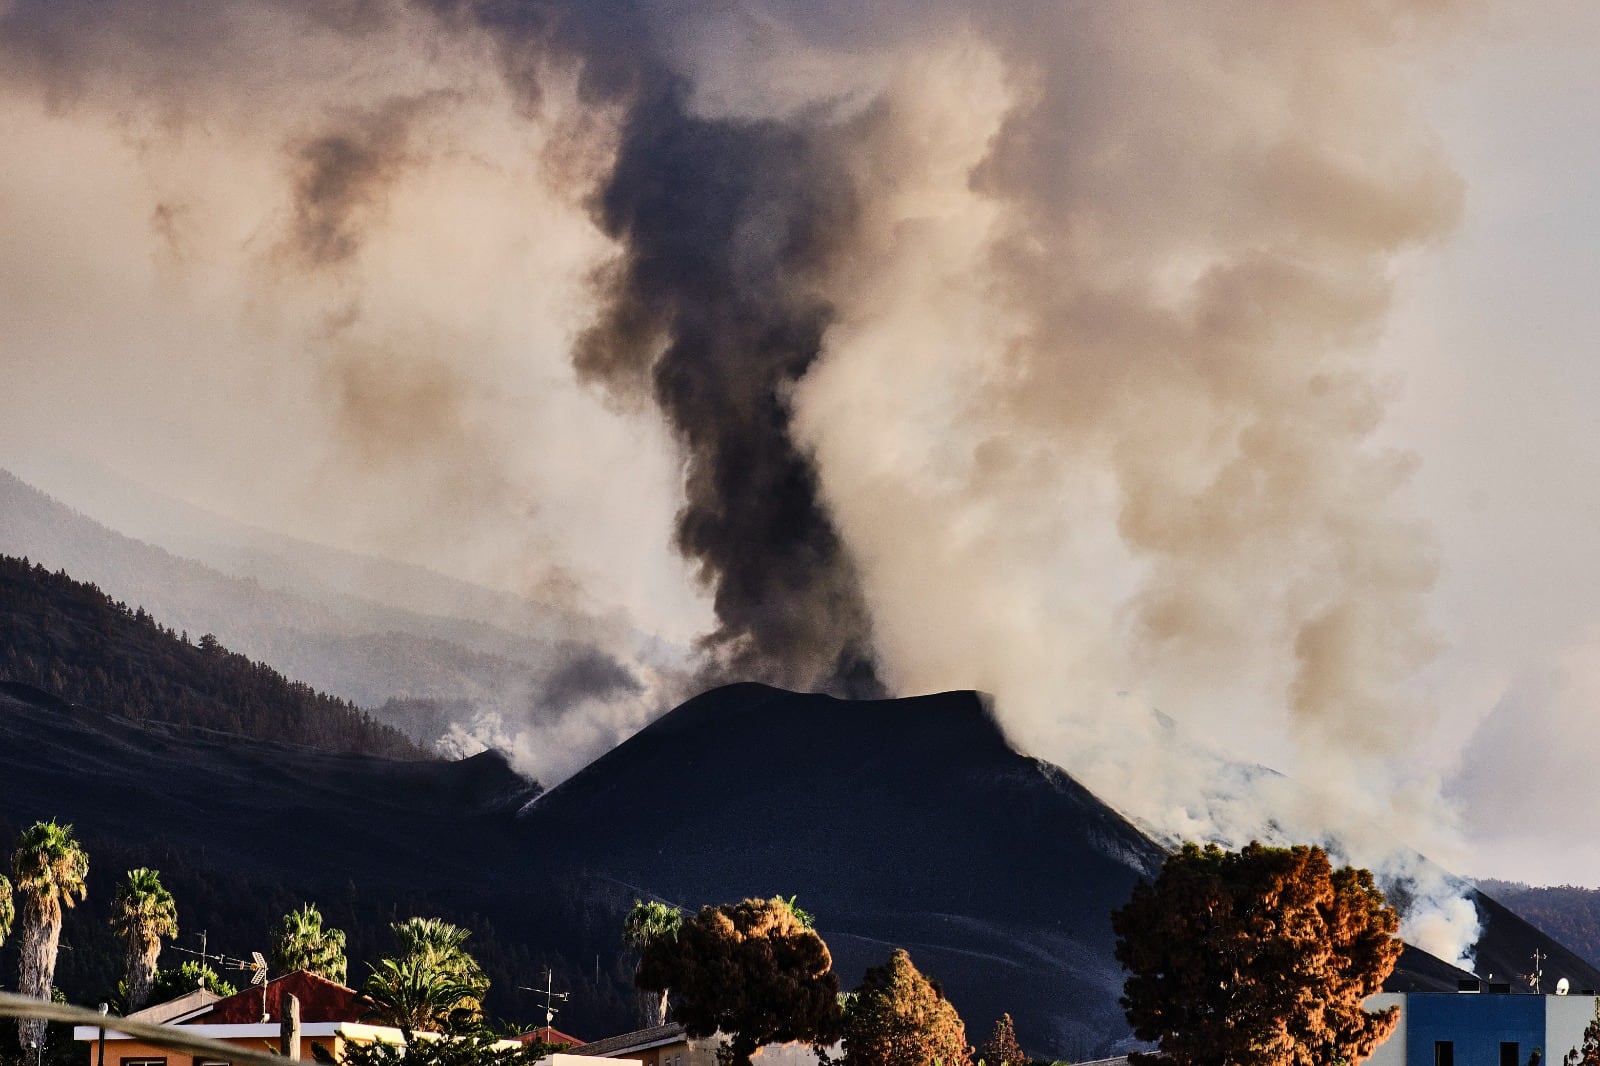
[1445, 1029]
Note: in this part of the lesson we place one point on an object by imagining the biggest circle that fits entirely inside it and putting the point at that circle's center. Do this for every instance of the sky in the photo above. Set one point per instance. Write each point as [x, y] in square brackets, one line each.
[1229, 362]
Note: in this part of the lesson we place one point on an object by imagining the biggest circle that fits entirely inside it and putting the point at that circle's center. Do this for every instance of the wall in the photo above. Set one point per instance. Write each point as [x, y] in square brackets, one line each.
[1565, 1019]
[1475, 1025]
[1392, 1052]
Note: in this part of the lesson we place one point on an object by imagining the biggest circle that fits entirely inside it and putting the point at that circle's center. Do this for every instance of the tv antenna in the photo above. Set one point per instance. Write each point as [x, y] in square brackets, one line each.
[1538, 972]
[551, 996]
[205, 958]
[257, 969]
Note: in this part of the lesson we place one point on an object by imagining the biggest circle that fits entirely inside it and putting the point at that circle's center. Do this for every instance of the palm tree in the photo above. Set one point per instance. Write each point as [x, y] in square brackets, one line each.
[142, 913]
[301, 943]
[434, 984]
[50, 868]
[646, 924]
[410, 994]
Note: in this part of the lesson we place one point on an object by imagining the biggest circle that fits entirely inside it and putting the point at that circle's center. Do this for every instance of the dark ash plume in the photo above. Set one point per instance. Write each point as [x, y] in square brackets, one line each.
[726, 228]
[590, 673]
[713, 311]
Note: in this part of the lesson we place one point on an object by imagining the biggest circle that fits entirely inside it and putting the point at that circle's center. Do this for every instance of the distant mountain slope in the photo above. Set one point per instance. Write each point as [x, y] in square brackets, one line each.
[298, 566]
[1569, 913]
[74, 642]
[360, 650]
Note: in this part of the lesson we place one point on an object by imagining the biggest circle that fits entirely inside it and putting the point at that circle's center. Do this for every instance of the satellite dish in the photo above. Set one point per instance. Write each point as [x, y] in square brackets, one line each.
[1563, 986]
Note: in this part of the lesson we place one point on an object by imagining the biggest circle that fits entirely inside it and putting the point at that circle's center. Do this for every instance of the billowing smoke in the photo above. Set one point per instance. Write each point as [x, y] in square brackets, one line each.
[714, 310]
[1017, 347]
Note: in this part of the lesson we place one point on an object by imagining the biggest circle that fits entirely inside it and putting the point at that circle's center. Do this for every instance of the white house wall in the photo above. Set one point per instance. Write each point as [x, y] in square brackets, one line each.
[1392, 1052]
[1565, 1018]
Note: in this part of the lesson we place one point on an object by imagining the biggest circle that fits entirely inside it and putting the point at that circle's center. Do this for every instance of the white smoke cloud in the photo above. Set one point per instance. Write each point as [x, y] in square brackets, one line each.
[1095, 417]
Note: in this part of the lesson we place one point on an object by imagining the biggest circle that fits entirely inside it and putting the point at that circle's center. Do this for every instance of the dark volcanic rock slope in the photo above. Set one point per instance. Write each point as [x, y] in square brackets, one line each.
[904, 823]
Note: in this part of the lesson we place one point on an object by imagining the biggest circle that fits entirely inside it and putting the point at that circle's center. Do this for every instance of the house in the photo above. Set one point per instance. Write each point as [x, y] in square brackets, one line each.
[330, 1019]
[547, 1035]
[330, 1016]
[1482, 1025]
[669, 1045]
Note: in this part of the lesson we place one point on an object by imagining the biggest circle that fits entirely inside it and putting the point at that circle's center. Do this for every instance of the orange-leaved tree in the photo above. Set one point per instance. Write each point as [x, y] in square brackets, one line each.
[900, 1018]
[753, 971]
[1258, 957]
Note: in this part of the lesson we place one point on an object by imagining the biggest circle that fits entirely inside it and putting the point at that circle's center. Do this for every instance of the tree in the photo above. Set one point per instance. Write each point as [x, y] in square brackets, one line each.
[1002, 1048]
[899, 1018]
[433, 985]
[8, 908]
[302, 942]
[142, 913]
[749, 970]
[185, 978]
[476, 1049]
[646, 924]
[1260, 957]
[51, 871]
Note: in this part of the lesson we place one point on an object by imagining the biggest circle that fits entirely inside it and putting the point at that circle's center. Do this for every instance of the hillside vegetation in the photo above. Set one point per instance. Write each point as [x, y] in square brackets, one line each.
[71, 640]
[1569, 913]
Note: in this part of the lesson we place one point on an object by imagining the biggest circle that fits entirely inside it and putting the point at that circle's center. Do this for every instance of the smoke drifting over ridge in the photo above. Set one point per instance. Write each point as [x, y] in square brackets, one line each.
[1020, 348]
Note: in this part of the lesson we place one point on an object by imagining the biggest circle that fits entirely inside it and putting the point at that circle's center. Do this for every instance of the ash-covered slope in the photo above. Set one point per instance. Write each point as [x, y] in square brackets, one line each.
[898, 823]
[243, 830]
[908, 823]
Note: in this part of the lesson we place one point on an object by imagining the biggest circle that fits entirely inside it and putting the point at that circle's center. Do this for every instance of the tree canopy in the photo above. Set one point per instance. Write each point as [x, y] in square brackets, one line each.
[8, 908]
[900, 1018]
[646, 923]
[186, 977]
[1259, 957]
[476, 1049]
[143, 913]
[434, 985]
[1002, 1049]
[752, 971]
[302, 942]
[52, 872]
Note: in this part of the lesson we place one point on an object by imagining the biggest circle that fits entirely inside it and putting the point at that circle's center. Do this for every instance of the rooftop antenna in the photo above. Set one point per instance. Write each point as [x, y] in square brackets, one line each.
[1538, 973]
[205, 959]
[550, 996]
[257, 968]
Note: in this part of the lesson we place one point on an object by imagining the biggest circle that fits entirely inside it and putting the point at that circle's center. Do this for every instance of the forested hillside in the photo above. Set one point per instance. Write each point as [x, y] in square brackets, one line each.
[1569, 913]
[71, 640]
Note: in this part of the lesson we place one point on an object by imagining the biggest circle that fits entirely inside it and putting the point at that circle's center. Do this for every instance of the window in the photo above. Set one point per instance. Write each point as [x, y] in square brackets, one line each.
[1444, 1053]
[211, 1062]
[144, 1062]
[1508, 1054]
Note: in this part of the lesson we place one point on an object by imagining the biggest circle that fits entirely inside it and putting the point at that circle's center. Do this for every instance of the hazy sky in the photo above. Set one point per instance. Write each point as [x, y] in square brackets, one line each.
[326, 274]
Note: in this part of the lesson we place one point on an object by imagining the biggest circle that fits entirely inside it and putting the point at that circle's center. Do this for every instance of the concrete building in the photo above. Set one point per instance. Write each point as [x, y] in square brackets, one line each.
[1482, 1028]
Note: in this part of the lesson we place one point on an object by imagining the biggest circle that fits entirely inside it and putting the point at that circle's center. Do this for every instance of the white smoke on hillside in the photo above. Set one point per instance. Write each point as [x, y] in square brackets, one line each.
[1018, 348]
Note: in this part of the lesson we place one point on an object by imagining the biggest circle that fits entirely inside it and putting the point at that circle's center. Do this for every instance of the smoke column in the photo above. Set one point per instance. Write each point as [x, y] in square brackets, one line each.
[1016, 347]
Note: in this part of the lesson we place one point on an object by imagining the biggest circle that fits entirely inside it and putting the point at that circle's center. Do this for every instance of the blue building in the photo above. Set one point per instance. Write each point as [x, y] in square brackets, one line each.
[1473, 1028]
